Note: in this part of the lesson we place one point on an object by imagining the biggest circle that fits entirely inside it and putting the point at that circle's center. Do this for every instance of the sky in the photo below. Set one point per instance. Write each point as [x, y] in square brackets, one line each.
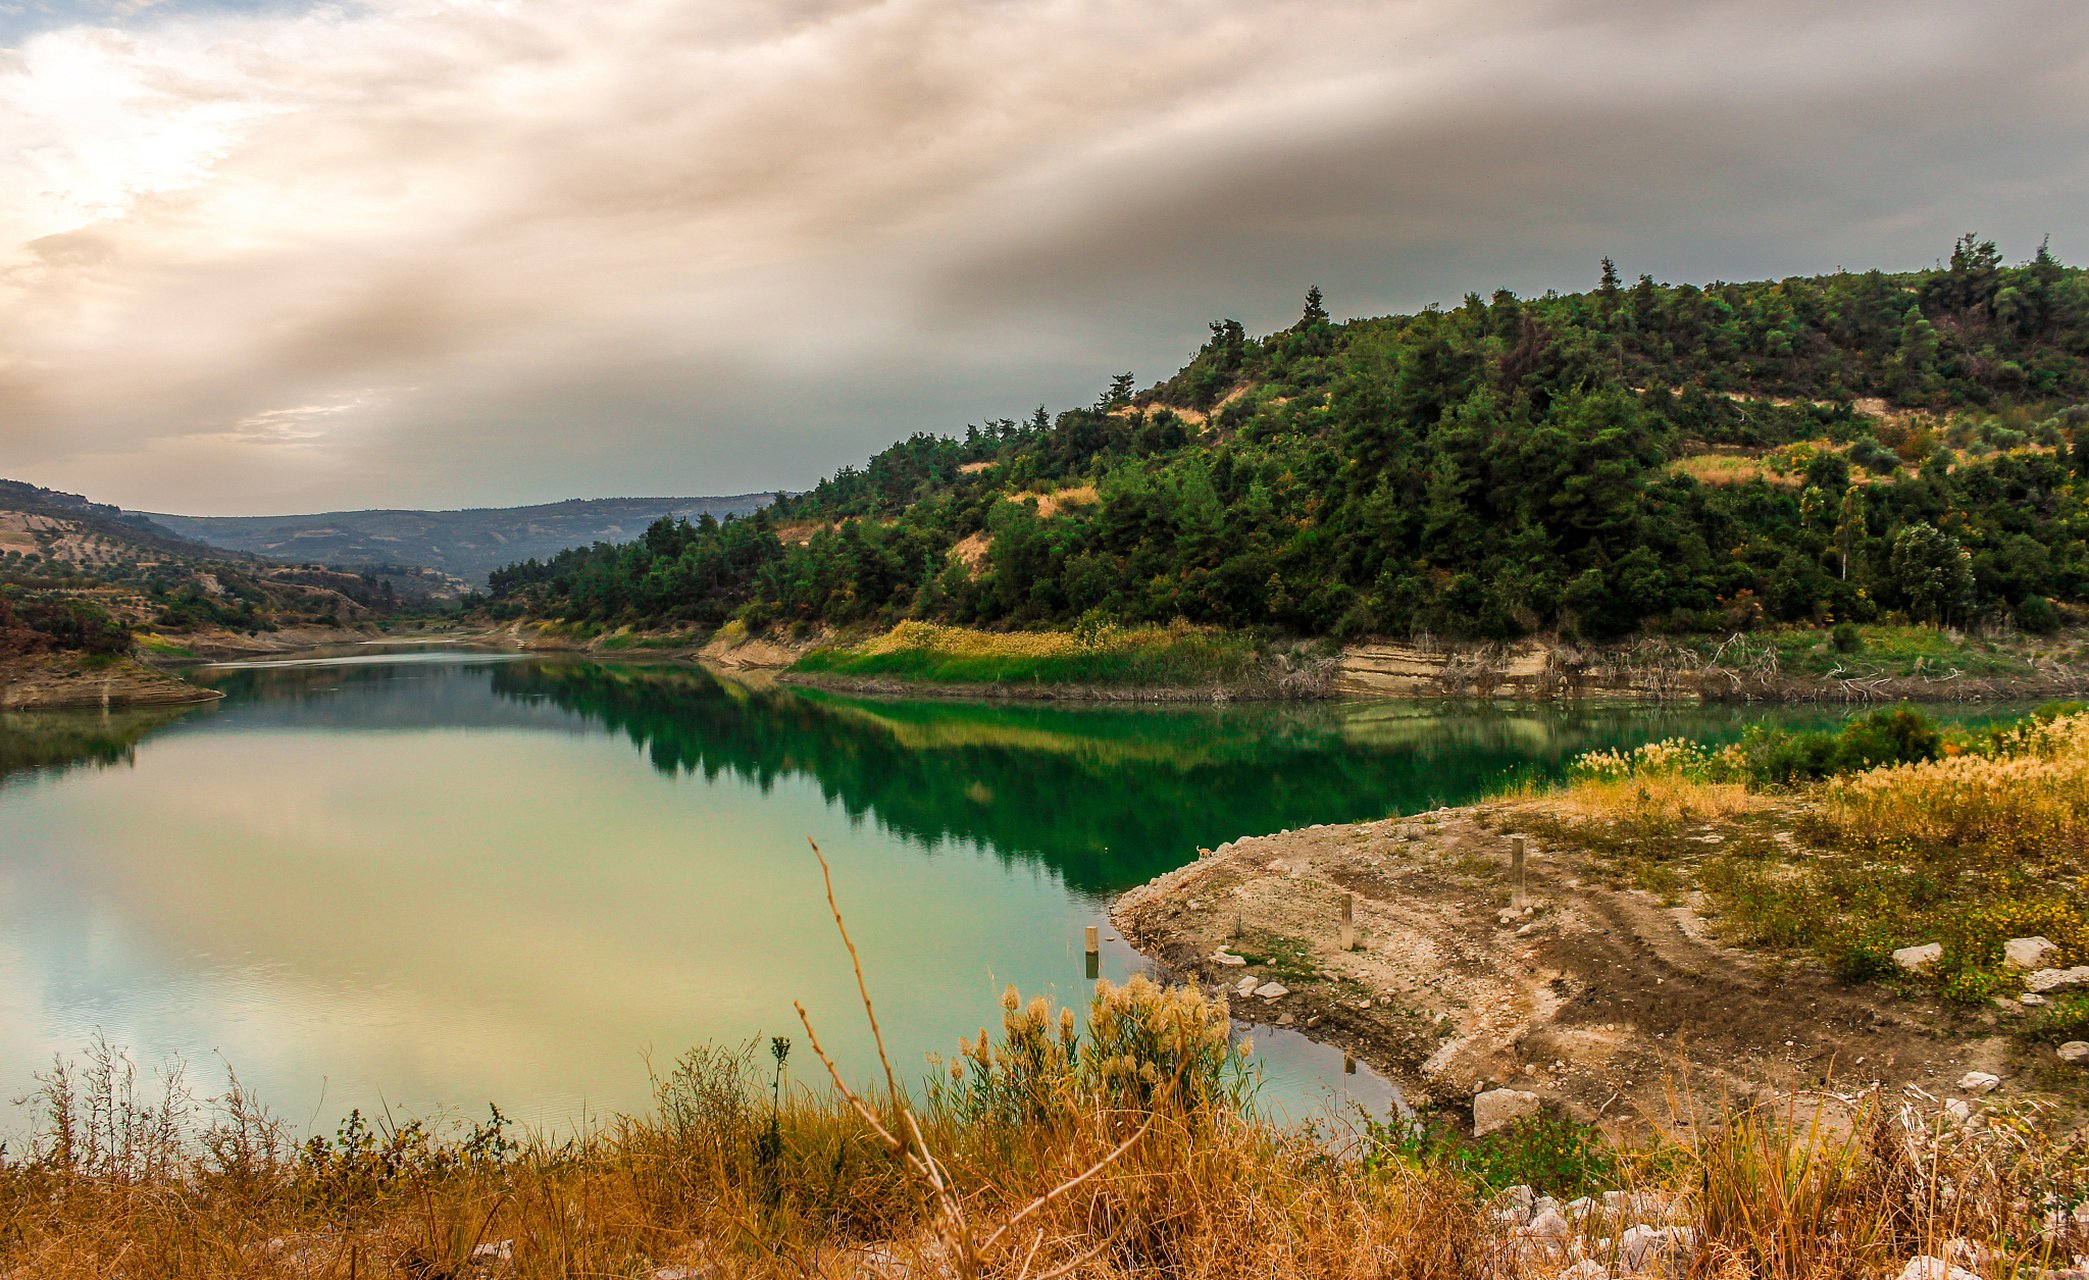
[269, 257]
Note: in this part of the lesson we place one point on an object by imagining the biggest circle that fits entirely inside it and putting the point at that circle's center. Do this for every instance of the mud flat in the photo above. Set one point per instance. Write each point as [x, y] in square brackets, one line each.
[1607, 1003]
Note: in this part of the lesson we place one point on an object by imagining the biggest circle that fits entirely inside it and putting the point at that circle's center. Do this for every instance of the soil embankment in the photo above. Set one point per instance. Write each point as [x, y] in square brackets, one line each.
[1609, 1003]
[56, 681]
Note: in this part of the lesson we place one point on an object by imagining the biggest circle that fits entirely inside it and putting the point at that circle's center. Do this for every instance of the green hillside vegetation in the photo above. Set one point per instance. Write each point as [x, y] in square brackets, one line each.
[82, 576]
[1851, 448]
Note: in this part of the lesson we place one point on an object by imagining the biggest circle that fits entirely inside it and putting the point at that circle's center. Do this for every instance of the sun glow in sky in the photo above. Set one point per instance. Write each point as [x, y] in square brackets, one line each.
[272, 257]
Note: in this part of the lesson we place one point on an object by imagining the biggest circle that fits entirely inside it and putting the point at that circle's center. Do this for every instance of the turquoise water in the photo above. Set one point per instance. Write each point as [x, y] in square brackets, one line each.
[430, 880]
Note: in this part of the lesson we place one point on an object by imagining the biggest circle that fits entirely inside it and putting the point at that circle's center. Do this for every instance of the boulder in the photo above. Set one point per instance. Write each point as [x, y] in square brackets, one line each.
[2053, 979]
[1500, 1108]
[2027, 953]
[1272, 991]
[1913, 959]
[1924, 1267]
[1979, 1082]
[1225, 957]
[2074, 1051]
[1656, 1250]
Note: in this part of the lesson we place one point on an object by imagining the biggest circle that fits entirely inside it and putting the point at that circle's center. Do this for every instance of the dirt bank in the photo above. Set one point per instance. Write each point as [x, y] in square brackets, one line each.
[1608, 1002]
[51, 681]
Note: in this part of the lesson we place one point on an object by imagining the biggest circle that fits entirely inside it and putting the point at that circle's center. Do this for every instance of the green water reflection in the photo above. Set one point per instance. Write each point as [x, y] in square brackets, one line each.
[428, 879]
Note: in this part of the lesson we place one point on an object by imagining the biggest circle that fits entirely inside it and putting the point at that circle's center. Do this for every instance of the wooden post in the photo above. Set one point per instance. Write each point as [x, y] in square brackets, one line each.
[1348, 922]
[1516, 872]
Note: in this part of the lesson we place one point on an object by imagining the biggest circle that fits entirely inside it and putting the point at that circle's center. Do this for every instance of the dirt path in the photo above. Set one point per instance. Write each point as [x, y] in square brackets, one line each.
[1608, 1002]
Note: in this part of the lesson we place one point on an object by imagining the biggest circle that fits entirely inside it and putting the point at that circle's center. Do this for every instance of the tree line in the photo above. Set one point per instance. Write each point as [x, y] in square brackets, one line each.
[1909, 445]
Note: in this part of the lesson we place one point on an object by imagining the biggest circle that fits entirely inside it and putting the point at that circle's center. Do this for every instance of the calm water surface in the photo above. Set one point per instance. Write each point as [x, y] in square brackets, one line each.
[435, 879]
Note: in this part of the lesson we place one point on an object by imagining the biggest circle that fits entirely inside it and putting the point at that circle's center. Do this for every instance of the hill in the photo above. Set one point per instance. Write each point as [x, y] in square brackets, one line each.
[1856, 447]
[82, 576]
[466, 543]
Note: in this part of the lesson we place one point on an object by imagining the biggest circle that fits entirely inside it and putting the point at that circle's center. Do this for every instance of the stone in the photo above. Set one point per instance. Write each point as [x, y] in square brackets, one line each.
[679, 1273]
[2027, 953]
[1286, 1020]
[499, 1250]
[1586, 1269]
[1924, 1267]
[1222, 956]
[1515, 1203]
[2033, 1000]
[1272, 991]
[1979, 1082]
[1913, 959]
[1656, 1250]
[1500, 1108]
[1578, 1208]
[1957, 1110]
[1247, 985]
[2074, 1051]
[2053, 979]
[1548, 1224]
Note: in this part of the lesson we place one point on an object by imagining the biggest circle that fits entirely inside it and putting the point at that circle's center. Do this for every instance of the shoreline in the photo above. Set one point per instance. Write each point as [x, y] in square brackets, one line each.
[1611, 1006]
[72, 681]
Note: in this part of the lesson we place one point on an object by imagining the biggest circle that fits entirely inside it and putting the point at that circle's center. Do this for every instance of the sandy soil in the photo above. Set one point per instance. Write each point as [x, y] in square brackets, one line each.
[1607, 1002]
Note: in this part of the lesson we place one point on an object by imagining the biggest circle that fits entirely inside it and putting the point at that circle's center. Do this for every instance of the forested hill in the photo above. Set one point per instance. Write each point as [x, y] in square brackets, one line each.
[1638, 457]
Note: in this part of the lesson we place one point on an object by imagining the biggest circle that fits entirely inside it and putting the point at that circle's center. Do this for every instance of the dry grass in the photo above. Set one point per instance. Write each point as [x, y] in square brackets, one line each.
[965, 642]
[2029, 799]
[1729, 469]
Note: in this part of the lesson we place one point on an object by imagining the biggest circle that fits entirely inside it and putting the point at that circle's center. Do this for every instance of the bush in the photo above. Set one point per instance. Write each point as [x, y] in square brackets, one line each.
[2037, 615]
[1847, 639]
[2067, 1019]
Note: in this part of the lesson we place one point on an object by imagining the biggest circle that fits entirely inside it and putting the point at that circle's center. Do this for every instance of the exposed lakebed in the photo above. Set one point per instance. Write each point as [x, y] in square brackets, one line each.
[429, 879]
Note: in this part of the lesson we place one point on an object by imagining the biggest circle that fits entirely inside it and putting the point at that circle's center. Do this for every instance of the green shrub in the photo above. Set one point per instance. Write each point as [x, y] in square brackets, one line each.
[1847, 638]
[2067, 1019]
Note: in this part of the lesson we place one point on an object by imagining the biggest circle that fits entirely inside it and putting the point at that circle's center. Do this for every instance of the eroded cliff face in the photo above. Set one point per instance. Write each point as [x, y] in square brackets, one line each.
[1522, 670]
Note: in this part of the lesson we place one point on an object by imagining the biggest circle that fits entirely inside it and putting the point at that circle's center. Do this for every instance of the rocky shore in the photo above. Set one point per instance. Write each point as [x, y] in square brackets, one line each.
[1606, 1004]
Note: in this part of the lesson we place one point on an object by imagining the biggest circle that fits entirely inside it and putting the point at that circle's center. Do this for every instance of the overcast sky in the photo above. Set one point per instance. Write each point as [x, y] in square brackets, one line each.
[269, 257]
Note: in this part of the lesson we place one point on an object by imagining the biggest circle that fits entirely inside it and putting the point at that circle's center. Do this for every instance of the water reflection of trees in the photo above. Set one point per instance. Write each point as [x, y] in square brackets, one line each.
[53, 742]
[1105, 796]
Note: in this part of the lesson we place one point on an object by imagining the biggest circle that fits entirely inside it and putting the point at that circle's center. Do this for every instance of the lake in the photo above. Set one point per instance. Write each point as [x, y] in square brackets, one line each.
[429, 879]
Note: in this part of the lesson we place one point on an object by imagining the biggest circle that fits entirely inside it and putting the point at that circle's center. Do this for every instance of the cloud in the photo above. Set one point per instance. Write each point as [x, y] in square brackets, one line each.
[492, 252]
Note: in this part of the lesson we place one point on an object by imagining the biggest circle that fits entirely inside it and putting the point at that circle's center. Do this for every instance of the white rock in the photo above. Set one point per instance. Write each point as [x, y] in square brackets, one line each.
[1957, 1110]
[1517, 1203]
[1578, 1209]
[2074, 1051]
[2052, 979]
[1500, 1108]
[1548, 1225]
[2030, 999]
[1979, 1082]
[1914, 958]
[504, 1250]
[1924, 1267]
[2027, 953]
[1656, 1249]
[1247, 985]
[1272, 991]
[679, 1273]
[1226, 957]
[1586, 1269]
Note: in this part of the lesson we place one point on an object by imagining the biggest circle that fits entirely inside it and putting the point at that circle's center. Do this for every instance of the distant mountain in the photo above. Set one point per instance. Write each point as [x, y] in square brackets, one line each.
[466, 543]
[75, 565]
